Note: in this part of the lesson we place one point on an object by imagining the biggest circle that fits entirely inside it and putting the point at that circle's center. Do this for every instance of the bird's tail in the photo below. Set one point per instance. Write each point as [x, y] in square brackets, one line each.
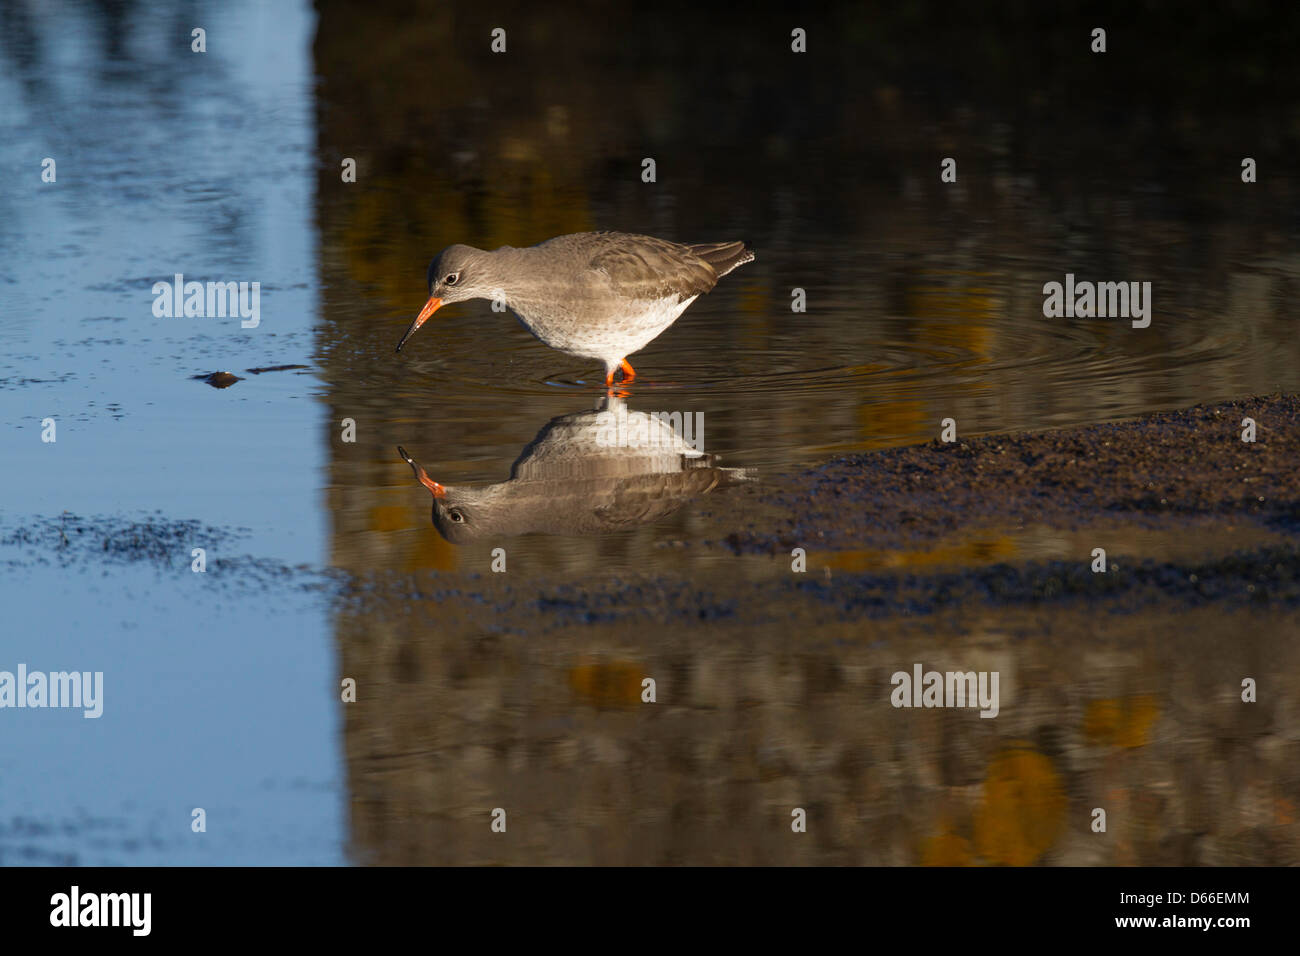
[723, 256]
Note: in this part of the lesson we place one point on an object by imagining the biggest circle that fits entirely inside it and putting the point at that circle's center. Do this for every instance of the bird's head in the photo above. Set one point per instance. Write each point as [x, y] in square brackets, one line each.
[459, 514]
[455, 274]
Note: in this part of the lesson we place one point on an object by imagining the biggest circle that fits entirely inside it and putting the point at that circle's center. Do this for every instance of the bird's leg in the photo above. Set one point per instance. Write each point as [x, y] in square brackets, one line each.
[628, 375]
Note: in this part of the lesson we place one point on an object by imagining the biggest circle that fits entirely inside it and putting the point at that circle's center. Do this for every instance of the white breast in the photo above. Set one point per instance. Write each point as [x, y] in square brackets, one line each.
[610, 336]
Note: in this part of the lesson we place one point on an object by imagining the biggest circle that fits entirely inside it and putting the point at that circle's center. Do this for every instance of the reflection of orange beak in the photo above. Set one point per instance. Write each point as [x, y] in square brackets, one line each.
[437, 490]
[430, 307]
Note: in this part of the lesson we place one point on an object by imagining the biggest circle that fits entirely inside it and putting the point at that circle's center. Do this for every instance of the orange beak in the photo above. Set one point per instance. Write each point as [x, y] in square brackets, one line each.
[430, 307]
[437, 490]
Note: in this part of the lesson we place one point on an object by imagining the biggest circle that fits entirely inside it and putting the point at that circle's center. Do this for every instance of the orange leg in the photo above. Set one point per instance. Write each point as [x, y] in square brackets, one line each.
[629, 373]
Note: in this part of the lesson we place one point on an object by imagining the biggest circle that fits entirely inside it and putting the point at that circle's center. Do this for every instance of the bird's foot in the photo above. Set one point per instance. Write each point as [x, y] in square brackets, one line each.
[629, 374]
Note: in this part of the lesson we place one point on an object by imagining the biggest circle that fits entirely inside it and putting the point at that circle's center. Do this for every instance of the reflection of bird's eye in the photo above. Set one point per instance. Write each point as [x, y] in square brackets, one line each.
[455, 515]
[451, 279]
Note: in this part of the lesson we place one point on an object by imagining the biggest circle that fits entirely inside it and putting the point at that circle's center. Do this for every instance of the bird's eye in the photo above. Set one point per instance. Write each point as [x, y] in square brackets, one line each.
[451, 279]
[456, 516]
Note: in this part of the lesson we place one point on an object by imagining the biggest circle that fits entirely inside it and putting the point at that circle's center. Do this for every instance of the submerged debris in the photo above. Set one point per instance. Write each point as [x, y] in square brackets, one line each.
[72, 538]
[274, 368]
[227, 379]
[219, 379]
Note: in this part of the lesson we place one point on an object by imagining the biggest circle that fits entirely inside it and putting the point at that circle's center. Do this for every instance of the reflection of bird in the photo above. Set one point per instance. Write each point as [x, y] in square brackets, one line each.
[585, 473]
[596, 295]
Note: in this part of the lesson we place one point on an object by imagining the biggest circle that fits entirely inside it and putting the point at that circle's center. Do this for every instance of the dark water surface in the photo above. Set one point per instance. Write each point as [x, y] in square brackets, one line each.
[924, 302]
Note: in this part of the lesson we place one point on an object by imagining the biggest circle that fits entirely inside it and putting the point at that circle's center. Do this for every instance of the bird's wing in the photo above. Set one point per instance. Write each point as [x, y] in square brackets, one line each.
[650, 268]
[648, 498]
[723, 256]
